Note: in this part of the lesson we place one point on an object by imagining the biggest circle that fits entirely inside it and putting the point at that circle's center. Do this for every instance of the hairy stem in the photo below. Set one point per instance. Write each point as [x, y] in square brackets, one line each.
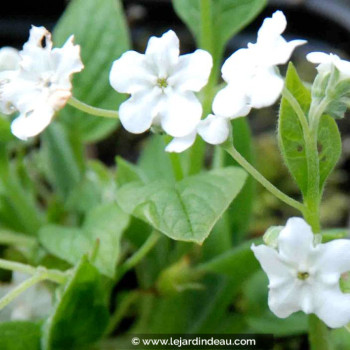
[230, 149]
[31, 281]
[52, 275]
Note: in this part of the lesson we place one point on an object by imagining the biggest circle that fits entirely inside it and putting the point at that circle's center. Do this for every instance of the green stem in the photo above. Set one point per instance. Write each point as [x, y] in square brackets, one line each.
[52, 275]
[139, 255]
[31, 281]
[310, 132]
[206, 42]
[318, 334]
[121, 311]
[175, 161]
[14, 238]
[230, 149]
[99, 112]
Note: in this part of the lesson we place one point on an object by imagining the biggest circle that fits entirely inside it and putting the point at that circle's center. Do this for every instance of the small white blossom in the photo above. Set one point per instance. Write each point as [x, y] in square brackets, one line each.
[42, 83]
[9, 59]
[304, 274]
[252, 78]
[326, 61]
[33, 304]
[162, 85]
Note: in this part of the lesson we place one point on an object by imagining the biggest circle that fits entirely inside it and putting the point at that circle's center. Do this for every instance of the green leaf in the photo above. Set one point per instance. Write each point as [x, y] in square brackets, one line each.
[105, 223]
[128, 172]
[236, 263]
[291, 138]
[240, 211]
[340, 338]
[186, 210]
[80, 315]
[229, 17]
[100, 28]
[19, 336]
[97, 186]
[290, 133]
[154, 162]
[63, 170]
[329, 145]
[5, 130]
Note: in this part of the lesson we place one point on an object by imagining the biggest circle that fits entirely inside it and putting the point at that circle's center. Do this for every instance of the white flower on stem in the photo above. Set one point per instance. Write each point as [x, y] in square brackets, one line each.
[33, 304]
[162, 85]
[304, 275]
[326, 61]
[252, 78]
[42, 83]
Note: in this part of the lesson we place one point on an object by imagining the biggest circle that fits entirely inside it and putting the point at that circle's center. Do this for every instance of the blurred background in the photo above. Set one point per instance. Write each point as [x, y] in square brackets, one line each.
[324, 23]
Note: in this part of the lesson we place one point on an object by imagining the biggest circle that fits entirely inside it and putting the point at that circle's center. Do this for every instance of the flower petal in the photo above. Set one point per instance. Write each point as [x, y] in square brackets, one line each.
[32, 123]
[290, 297]
[279, 51]
[181, 114]
[318, 57]
[265, 88]
[295, 241]
[137, 113]
[272, 27]
[36, 35]
[332, 306]
[214, 129]
[129, 74]
[231, 102]
[180, 144]
[276, 270]
[67, 61]
[9, 59]
[163, 53]
[334, 256]
[239, 66]
[192, 71]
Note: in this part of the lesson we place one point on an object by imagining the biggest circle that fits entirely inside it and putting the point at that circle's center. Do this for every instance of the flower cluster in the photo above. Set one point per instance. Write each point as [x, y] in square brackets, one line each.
[163, 86]
[37, 82]
[304, 275]
[162, 83]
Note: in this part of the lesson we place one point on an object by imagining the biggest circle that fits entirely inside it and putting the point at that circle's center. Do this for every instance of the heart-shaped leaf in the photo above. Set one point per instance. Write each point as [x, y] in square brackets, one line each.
[187, 210]
[104, 224]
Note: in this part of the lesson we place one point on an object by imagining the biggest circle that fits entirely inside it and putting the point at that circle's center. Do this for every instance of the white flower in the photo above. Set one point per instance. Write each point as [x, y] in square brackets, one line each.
[252, 79]
[162, 86]
[326, 61]
[33, 304]
[9, 59]
[42, 83]
[304, 275]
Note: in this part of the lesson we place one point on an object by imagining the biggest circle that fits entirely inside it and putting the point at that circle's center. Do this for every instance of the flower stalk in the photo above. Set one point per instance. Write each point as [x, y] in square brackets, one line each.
[231, 150]
[98, 112]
